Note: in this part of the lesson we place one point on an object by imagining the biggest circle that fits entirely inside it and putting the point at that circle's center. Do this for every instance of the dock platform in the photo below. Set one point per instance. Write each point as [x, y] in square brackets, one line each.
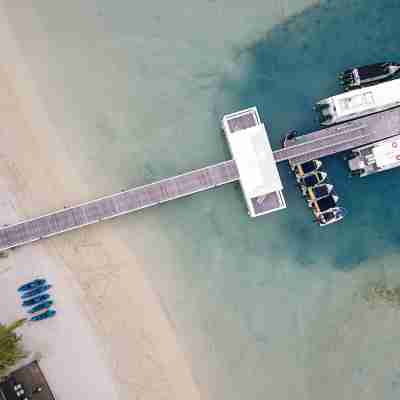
[314, 145]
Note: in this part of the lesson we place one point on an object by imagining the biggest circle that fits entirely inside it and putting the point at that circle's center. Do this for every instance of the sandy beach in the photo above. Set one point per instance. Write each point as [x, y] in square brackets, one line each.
[136, 342]
[193, 299]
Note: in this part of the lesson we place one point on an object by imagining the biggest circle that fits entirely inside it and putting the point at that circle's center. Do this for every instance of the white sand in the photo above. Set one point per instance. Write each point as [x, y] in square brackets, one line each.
[112, 330]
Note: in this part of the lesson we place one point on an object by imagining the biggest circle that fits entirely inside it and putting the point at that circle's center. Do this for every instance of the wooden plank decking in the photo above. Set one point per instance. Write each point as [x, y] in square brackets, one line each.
[118, 204]
[314, 145]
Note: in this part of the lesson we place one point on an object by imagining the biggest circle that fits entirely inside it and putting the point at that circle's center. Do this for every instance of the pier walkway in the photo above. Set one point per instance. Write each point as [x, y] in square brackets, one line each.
[314, 145]
[338, 138]
[118, 204]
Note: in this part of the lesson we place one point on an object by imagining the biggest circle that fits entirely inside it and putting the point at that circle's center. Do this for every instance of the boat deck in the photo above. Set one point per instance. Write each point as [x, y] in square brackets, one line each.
[311, 146]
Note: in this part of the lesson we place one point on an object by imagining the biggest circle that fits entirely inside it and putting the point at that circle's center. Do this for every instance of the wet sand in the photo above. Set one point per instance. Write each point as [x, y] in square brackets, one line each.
[257, 312]
[137, 341]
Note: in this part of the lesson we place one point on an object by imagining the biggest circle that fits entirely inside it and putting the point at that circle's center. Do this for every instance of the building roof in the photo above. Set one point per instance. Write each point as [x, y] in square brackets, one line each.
[255, 161]
[251, 150]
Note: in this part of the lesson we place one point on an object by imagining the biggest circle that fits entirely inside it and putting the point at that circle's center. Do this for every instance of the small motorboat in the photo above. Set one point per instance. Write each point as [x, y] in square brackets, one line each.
[336, 214]
[306, 168]
[32, 285]
[36, 300]
[320, 191]
[288, 137]
[324, 204]
[368, 75]
[35, 292]
[41, 306]
[311, 180]
[45, 315]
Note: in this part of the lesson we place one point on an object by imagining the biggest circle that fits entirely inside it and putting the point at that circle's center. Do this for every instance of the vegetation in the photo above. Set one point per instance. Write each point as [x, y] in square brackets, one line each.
[381, 294]
[11, 350]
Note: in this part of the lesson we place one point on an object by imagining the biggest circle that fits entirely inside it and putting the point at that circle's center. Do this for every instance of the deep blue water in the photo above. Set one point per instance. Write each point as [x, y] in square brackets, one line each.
[296, 64]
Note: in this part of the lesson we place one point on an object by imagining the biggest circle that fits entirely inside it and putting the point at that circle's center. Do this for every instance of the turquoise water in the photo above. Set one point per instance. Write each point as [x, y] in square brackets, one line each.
[267, 307]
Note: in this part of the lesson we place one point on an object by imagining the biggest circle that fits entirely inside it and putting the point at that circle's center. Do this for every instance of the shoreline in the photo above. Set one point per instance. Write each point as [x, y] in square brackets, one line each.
[113, 284]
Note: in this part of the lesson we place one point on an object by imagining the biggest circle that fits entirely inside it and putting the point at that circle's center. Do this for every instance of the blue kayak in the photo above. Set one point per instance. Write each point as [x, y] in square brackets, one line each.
[41, 306]
[36, 291]
[35, 300]
[32, 285]
[45, 315]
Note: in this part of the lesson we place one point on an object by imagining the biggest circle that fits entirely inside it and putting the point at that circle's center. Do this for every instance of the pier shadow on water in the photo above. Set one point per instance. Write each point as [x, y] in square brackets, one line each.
[284, 74]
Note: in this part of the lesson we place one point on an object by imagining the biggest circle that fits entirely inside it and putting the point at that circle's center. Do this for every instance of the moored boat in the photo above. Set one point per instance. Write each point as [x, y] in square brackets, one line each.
[288, 137]
[366, 75]
[375, 157]
[359, 102]
[331, 216]
[306, 168]
[324, 204]
[312, 179]
[320, 191]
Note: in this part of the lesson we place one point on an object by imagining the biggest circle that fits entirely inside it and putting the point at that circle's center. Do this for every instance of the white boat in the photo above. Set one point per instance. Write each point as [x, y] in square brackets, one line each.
[331, 216]
[376, 157]
[324, 204]
[356, 103]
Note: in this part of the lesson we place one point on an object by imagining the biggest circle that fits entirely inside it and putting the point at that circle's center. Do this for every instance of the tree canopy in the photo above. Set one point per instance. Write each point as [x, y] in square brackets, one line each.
[11, 350]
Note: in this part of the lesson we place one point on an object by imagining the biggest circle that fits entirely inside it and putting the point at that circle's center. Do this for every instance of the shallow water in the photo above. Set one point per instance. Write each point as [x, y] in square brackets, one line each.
[267, 306]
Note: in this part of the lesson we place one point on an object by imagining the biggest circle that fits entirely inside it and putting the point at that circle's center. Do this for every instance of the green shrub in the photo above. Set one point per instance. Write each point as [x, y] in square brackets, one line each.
[11, 350]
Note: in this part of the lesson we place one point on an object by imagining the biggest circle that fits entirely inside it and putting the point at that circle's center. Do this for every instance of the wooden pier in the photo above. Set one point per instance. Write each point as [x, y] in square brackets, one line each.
[338, 138]
[314, 145]
[118, 204]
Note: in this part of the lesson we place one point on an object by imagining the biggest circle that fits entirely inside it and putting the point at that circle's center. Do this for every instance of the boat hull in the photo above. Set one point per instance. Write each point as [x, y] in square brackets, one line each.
[32, 285]
[47, 314]
[41, 306]
[35, 292]
[36, 300]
